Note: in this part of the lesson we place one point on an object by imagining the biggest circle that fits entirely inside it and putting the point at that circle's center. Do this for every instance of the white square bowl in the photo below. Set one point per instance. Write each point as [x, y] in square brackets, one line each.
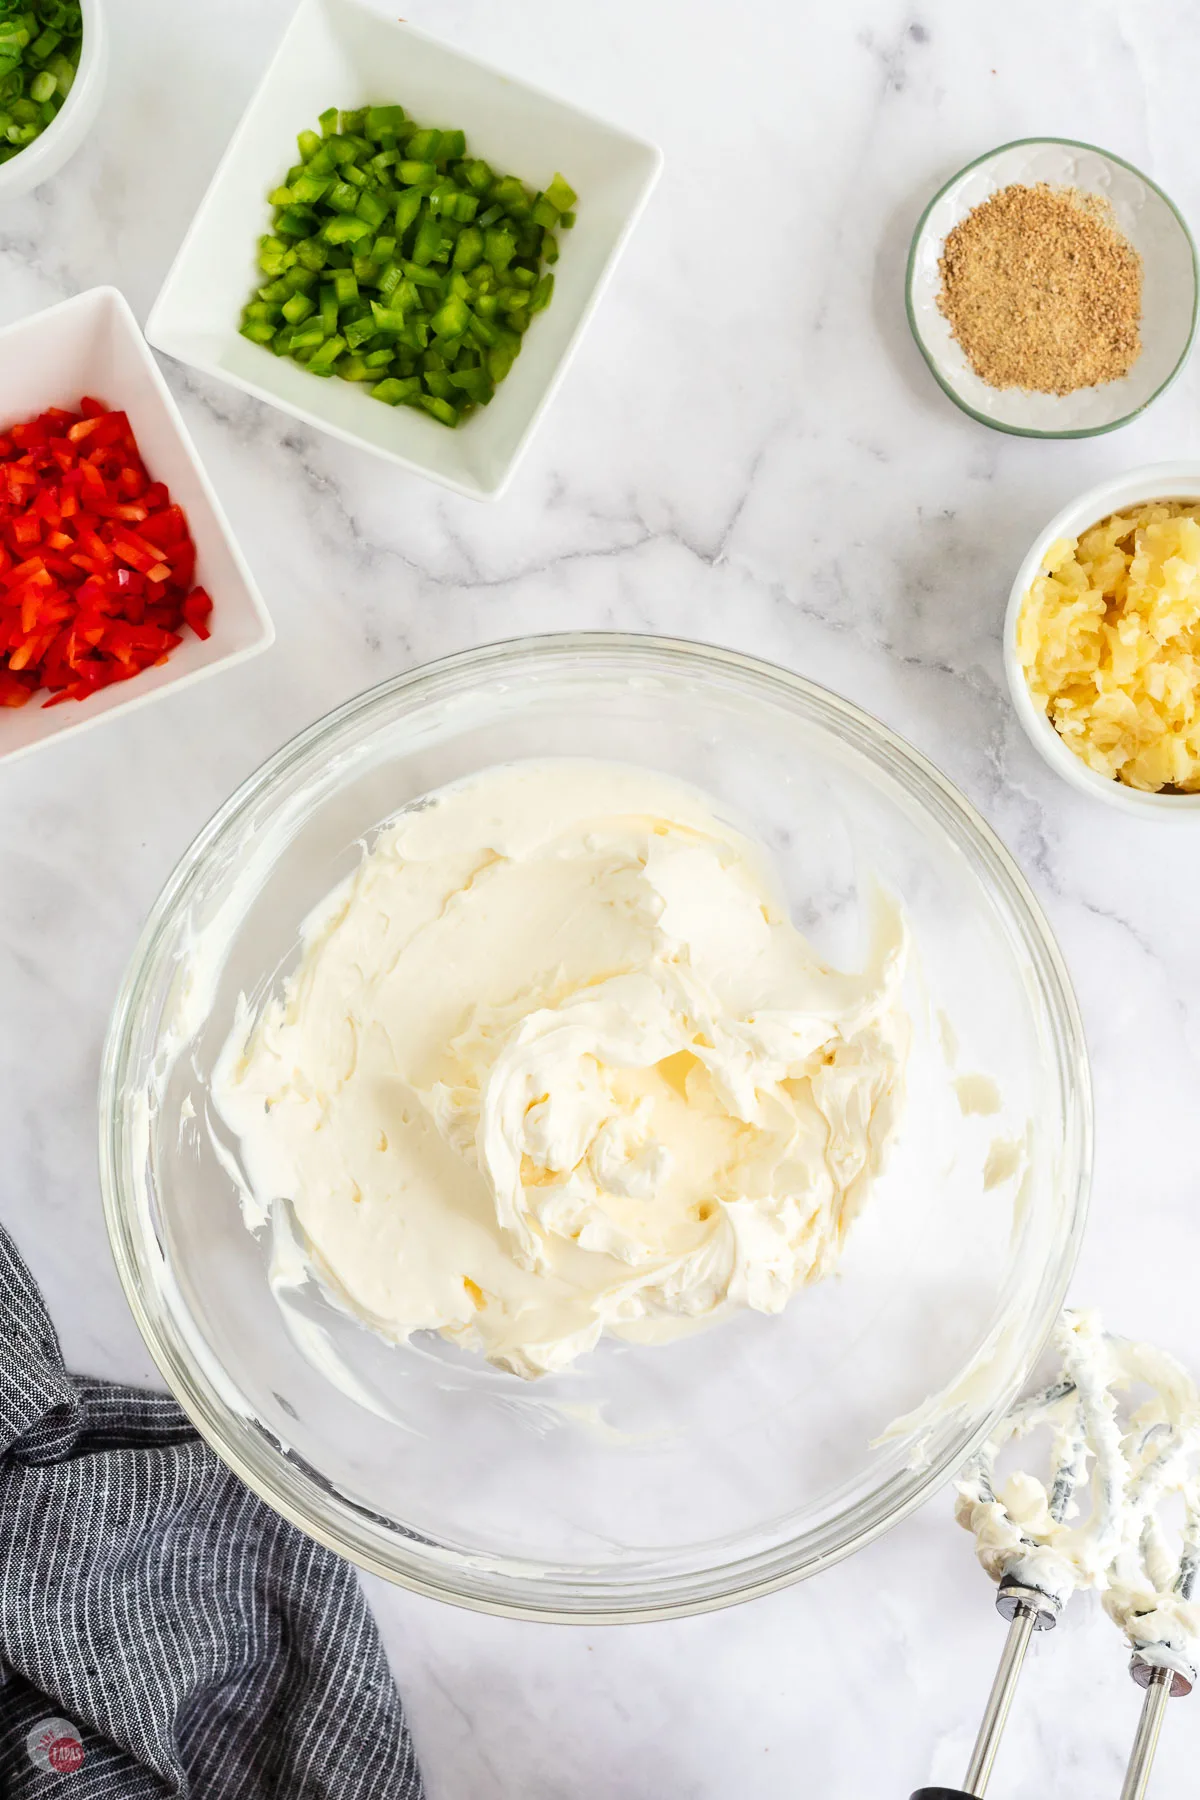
[92, 345]
[343, 53]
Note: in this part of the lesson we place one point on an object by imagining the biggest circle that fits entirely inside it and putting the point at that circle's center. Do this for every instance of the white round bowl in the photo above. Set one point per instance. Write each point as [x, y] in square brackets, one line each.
[60, 140]
[1158, 481]
[1171, 284]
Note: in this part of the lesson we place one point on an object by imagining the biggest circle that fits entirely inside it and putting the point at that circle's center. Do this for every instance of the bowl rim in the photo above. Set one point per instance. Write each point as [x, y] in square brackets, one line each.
[93, 57]
[310, 1502]
[159, 324]
[1178, 480]
[933, 363]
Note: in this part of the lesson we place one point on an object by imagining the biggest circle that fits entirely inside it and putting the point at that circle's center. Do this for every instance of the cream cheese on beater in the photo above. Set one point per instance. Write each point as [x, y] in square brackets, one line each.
[555, 1062]
[1040, 1536]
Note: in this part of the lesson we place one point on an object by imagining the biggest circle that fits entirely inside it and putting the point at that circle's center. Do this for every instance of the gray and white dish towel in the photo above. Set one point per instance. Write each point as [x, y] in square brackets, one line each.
[162, 1632]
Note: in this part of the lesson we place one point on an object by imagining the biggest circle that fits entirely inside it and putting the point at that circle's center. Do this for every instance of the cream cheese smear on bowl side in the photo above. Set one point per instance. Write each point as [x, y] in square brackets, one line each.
[554, 1062]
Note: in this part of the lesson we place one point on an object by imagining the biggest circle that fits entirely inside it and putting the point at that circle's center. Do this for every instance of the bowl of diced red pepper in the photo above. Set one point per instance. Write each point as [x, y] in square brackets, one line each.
[97, 565]
[119, 575]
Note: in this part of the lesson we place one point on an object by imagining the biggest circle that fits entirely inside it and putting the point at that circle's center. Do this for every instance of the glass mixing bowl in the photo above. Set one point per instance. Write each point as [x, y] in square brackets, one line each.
[647, 1481]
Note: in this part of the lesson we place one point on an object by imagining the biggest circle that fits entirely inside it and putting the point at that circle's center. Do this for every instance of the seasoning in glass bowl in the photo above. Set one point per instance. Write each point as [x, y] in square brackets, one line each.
[1042, 291]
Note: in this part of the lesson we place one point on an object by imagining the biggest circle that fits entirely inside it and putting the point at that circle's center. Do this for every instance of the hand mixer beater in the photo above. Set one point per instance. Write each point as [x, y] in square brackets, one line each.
[1134, 1458]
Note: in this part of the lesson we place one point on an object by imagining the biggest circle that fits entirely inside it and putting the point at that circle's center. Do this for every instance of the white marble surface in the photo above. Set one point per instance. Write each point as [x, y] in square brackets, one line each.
[747, 450]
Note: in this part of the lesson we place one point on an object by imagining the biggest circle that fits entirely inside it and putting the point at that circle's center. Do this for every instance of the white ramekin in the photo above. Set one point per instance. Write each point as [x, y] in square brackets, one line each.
[60, 140]
[1158, 481]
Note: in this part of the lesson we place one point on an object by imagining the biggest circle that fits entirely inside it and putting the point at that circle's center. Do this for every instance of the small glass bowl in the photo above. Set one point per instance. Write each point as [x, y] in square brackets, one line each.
[645, 1482]
[1171, 284]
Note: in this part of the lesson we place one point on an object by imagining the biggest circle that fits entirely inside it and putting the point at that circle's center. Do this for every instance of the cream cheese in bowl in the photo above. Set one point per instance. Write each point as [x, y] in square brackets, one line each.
[554, 1062]
[641, 1478]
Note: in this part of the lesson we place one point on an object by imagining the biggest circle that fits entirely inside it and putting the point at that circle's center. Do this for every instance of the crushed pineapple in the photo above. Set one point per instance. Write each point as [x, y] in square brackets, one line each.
[1109, 639]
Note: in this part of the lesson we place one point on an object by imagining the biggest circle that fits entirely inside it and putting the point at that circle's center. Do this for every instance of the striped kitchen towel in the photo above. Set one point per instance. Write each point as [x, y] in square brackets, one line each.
[161, 1630]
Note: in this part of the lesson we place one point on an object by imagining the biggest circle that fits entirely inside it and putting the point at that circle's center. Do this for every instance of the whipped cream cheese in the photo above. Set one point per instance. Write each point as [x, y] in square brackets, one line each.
[1133, 1465]
[555, 1062]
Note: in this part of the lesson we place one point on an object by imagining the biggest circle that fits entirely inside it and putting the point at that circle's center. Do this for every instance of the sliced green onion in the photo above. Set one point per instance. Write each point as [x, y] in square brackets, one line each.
[40, 43]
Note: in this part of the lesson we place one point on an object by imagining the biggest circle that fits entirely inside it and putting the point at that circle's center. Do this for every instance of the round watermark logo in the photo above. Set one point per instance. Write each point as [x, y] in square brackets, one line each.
[56, 1746]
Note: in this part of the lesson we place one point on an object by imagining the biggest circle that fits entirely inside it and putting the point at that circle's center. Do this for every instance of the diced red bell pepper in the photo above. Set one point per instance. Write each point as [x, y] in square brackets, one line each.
[196, 609]
[96, 563]
[165, 528]
[182, 558]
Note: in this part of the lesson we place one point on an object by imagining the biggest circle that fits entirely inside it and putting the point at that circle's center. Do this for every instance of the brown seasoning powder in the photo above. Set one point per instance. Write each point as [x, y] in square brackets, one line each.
[1042, 291]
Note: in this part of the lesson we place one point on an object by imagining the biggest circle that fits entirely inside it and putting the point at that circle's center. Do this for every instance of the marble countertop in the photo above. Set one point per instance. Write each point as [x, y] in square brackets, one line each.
[747, 450]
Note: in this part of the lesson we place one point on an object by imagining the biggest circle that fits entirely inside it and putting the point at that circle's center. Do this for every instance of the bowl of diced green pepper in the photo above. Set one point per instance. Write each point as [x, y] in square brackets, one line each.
[53, 55]
[404, 270]
[398, 260]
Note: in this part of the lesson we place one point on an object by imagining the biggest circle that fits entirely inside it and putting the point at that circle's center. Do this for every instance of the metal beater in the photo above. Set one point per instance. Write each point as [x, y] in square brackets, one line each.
[1131, 1471]
[1027, 1611]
